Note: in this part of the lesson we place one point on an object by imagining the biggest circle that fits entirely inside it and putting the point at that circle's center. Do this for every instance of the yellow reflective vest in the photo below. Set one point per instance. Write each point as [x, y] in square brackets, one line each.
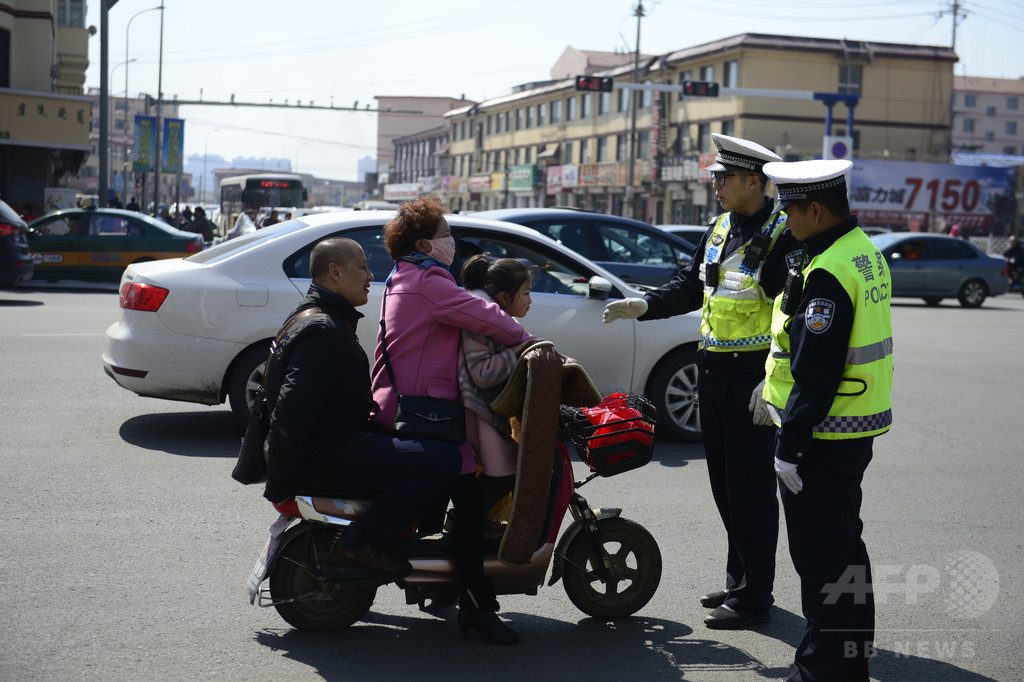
[863, 405]
[736, 314]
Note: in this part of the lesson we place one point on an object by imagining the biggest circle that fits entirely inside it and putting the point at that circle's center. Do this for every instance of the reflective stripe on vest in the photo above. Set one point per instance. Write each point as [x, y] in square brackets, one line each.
[736, 313]
[863, 405]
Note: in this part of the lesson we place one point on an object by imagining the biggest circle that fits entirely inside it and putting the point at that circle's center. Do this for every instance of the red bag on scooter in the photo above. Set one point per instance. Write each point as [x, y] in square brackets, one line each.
[615, 436]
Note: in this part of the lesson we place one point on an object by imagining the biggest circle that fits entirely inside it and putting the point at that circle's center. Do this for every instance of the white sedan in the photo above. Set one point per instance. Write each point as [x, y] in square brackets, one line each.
[198, 329]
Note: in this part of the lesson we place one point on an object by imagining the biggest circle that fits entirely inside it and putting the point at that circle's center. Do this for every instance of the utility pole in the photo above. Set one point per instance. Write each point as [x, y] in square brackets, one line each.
[631, 171]
[958, 13]
[159, 118]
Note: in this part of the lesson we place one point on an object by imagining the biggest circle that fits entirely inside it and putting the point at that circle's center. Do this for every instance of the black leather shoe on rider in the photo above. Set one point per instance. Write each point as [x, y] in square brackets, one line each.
[371, 559]
[488, 625]
[728, 618]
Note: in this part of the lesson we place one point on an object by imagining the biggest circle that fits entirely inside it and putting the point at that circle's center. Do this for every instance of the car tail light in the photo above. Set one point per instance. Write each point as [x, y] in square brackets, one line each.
[137, 296]
[7, 230]
[194, 246]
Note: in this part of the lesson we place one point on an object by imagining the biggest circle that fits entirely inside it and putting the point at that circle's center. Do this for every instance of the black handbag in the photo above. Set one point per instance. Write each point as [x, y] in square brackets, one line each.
[251, 466]
[422, 416]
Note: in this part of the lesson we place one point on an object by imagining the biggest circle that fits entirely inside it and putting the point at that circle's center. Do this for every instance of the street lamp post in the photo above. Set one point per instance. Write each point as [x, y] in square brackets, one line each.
[124, 135]
[633, 95]
[127, 35]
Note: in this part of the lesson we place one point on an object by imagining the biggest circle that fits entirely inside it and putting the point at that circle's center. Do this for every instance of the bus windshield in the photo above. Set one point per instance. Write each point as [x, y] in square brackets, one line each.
[258, 192]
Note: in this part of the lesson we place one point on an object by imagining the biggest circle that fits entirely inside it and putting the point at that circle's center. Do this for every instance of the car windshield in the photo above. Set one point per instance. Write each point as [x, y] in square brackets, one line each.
[233, 246]
[883, 241]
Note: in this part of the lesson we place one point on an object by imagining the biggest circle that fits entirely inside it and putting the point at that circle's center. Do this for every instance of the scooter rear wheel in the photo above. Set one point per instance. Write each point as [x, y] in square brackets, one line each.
[636, 570]
[307, 601]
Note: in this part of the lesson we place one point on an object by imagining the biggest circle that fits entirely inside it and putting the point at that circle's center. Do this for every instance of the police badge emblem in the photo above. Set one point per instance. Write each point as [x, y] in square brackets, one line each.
[818, 317]
[717, 239]
[793, 259]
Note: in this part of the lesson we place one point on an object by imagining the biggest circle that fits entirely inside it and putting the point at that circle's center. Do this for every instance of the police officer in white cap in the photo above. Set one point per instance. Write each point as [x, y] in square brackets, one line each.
[829, 378]
[739, 267]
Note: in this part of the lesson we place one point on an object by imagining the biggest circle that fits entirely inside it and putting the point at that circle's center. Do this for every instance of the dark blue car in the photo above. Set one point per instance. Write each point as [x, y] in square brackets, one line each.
[16, 264]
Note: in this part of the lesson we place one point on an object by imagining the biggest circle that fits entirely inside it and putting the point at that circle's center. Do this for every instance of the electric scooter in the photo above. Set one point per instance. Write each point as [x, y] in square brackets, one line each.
[610, 567]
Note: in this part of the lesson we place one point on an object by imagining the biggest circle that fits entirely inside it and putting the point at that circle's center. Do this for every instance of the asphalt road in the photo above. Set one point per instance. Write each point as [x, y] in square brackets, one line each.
[126, 545]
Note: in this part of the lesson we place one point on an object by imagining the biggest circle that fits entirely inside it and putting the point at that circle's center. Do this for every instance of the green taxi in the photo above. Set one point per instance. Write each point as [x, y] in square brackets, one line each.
[97, 244]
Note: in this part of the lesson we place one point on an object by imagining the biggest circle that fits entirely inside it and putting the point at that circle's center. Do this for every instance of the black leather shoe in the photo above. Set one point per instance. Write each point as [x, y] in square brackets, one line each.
[488, 625]
[726, 618]
[712, 600]
[371, 559]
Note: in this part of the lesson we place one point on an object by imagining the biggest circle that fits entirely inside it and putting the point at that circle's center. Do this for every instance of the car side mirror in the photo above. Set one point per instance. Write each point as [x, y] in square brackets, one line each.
[600, 288]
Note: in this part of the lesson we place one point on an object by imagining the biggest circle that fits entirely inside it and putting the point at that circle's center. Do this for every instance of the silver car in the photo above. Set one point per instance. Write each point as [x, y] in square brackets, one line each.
[934, 267]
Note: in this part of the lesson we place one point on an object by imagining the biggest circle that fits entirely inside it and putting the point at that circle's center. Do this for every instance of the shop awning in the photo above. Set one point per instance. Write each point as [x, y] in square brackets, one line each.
[550, 151]
[441, 151]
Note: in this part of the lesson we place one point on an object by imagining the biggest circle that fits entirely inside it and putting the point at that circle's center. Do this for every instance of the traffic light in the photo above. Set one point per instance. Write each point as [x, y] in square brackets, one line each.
[700, 88]
[594, 83]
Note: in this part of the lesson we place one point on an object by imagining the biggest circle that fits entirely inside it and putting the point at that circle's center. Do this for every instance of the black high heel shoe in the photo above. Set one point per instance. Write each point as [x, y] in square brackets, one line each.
[488, 625]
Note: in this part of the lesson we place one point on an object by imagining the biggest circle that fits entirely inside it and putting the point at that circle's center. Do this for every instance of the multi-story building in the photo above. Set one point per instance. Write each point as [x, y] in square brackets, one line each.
[547, 144]
[44, 115]
[420, 164]
[988, 115]
[402, 116]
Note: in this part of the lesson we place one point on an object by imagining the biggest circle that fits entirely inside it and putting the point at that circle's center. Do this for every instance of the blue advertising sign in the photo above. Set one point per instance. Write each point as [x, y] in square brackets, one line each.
[173, 145]
[145, 144]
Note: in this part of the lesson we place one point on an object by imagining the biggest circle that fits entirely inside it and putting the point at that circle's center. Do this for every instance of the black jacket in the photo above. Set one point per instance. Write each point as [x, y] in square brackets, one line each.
[318, 396]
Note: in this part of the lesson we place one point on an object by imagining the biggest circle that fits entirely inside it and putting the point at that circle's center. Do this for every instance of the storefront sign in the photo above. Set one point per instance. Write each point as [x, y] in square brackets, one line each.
[172, 143]
[570, 176]
[45, 120]
[521, 178]
[902, 193]
[479, 182]
[402, 191]
[554, 180]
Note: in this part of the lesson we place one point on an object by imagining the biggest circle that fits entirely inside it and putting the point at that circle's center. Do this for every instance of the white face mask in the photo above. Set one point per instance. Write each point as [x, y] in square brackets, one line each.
[443, 250]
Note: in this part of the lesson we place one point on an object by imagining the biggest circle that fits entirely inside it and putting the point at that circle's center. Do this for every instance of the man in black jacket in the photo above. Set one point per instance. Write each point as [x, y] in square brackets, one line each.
[318, 393]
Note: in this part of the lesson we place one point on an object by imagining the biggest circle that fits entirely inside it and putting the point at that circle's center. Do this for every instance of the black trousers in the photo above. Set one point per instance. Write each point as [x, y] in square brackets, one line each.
[740, 463]
[824, 526]
[411, 474]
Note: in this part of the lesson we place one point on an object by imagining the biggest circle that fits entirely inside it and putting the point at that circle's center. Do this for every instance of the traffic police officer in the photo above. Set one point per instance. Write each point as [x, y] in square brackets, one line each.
[739, 267]
[829, 378]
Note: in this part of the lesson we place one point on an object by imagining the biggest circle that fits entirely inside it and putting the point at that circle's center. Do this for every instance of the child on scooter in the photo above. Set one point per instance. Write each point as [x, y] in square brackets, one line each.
[485, 365]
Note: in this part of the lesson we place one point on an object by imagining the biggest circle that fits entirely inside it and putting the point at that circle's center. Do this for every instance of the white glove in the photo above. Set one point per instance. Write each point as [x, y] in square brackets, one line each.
[789, 477]
[626, 309]
[759, 407]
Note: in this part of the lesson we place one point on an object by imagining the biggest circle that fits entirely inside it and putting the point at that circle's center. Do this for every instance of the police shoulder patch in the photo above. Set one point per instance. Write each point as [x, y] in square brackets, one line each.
[793, 259]
[818, 317]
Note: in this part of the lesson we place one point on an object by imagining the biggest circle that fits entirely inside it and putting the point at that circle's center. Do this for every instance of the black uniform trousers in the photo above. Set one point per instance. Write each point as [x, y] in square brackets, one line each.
[741, 468]
[824, 526]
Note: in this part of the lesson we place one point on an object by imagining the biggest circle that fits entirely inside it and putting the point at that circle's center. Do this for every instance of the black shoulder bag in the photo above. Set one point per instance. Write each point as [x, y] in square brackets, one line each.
[252, 460]
[422, 416]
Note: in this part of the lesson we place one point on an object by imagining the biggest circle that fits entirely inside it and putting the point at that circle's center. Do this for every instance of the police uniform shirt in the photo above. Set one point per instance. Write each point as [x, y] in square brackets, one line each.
[685, 292]
[817, 358]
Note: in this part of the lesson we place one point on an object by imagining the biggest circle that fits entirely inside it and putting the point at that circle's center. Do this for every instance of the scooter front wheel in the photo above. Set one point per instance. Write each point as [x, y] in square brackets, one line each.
[307, 601]
[635, 570]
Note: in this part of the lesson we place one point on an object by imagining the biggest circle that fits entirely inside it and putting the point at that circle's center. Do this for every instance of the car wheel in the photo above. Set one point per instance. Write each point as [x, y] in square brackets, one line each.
[672, 389]
[932, 300]
[972, 293]
[246, 377]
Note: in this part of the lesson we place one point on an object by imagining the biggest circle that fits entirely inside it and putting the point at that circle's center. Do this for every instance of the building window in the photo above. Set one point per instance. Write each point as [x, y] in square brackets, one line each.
[1011, 127]
[526, 154]
[683, 77]
[623, 100]
[730, 74]
[621, 148]
[568, 153]
[516, 158]
[707, 73]
[585, 106]
[968, 125]
[542, 114]
[990, 111]
[519, 119]
[703, 138]
[970, 100]
[497, 124]
[1010, 150]
[556, 111]
[643, 145]
[729, 128]
[71, 13]
[570, 109]
[489, 124]
[529, 117]
[602, 149]
[646, 97]
[508, 121]
[850, 79]
[990, 136]
[1011, 103]
[604, 103]
[584, 152]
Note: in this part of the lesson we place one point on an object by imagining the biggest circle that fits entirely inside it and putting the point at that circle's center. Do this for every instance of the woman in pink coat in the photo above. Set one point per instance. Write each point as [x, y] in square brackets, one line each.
[425, 312]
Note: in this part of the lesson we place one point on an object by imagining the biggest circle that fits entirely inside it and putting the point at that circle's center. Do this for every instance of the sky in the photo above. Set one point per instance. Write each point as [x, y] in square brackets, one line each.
[344, 52]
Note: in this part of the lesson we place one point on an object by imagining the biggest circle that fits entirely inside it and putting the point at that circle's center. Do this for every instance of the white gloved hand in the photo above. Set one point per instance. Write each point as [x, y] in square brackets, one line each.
[759, 406]
[789, 477]
[626, 309]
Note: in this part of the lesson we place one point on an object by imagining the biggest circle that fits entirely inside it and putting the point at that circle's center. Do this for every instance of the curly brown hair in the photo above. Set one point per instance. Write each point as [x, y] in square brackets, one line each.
[416, 219]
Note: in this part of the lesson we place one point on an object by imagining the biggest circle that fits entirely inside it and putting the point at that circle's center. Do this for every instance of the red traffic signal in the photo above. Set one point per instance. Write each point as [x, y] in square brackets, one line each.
[594, 83]
[700, 88]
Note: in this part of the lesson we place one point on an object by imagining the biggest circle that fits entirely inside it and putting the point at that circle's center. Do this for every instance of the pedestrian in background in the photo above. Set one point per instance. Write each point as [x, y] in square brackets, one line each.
[737, 270]
[829, 380]
[202, 225]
